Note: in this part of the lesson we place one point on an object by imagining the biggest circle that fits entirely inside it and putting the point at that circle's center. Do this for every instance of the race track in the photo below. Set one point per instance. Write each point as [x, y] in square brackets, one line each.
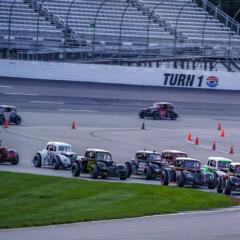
[107, 117]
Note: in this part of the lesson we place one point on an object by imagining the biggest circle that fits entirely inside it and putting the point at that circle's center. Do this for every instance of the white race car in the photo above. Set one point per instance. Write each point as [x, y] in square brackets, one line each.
[57, 155]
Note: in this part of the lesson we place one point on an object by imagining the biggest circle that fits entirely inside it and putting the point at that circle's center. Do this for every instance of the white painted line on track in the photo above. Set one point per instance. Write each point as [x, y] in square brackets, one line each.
[77, 110]
[46, 102]
[5, 86]
[23, 94]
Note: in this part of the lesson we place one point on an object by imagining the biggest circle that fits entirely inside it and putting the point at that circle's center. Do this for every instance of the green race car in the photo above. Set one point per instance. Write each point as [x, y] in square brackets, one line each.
[219, 166]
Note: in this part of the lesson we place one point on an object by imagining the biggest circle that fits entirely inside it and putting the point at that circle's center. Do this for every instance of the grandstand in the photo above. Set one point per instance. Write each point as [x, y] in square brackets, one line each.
[120, 32]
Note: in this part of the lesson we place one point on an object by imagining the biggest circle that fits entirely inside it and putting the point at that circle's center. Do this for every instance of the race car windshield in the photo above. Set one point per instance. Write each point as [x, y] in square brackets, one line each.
[191, 164]
[64, 148]
[223, 164]
[237, 170]
[103, 157]
[154, 157]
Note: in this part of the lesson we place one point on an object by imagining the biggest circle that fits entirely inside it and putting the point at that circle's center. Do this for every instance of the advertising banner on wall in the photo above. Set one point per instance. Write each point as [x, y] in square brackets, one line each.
[163, 77]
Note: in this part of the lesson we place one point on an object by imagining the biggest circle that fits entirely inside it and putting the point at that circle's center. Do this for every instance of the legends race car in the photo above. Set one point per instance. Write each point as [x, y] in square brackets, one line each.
[220, 167]
[159, 110]
[231, 181]
[8, 155]
[146, 163]
[98, 162]
[56, 155]
[9, 113]
[187, 171]
[169, 156]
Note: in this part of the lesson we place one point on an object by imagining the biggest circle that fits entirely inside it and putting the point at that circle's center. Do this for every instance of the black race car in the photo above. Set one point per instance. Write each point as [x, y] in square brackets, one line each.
[98, 162]
[9, 113]
[147, 164]
[159, 110]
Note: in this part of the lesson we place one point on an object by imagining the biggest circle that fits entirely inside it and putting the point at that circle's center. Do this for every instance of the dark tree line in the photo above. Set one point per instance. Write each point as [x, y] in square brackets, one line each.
[228, 6]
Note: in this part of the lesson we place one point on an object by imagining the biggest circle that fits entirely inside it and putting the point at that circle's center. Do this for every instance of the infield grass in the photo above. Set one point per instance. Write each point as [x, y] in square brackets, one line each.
[31, 200]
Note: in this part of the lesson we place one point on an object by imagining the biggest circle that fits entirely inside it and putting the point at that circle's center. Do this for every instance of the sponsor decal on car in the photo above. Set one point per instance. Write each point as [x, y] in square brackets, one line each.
[212, 81]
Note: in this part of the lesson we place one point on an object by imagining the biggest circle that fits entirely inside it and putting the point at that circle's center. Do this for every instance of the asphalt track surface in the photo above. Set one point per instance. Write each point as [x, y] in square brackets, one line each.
[106, 117]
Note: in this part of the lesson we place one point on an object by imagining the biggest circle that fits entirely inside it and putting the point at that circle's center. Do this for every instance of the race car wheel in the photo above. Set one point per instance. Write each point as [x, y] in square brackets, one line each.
[15, 160]
[180, 180]
[128, 169]
[75, 169]
[1, 119]
[211, 185]
[17, 120]
[164, 178]
[156, 116]
[173, 116]
[56, 162]
[37, 161]
[149, 173]
[94, 172]
[123, 176]
[219, 185]
[142, 114]
[228, 187]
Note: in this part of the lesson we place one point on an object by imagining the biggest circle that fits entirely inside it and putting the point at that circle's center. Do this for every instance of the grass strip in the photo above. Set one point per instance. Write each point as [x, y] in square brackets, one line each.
[30, 200]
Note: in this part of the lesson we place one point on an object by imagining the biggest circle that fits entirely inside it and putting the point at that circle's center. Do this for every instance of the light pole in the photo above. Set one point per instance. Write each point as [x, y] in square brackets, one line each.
[66, 27]
[230, 39]
[120, 34]
[93, 25]
[38, 20]
[176, 25]
[204, 26]
[148, 27]
[9, 27]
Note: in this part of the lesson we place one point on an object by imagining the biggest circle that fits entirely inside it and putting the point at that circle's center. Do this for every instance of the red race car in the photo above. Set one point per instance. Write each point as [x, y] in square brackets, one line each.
[8, 155]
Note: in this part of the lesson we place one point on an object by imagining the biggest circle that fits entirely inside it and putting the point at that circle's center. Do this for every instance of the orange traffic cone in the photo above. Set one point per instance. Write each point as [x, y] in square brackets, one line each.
[6, 124]
[231, 150]
[74, 125]
[219, 127]
[143, 126]
[214, 146]
[196, 141]
[222, 133]
[189, 138]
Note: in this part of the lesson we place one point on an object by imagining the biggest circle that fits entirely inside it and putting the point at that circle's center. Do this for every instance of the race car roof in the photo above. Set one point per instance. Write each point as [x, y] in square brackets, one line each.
[147, 151]
[186, 158]
[173, 151]
[58, 143]
[97, 150]
[220, 159]
[7, 106]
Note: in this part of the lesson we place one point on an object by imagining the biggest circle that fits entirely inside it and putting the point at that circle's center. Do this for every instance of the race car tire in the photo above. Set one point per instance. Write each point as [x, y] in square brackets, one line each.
[173, 116]
[17, 120]
[211, 185]
[94, 171]
[149, 173]
[56, 162]
[37, 161]
[180, 180]
[2, 119]
[75, 169]
[128, 169]
[15, 160]
[123, 176]
[142, 114]
[156, 116]
[228, 187]
[165, 178]
[219, 184]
